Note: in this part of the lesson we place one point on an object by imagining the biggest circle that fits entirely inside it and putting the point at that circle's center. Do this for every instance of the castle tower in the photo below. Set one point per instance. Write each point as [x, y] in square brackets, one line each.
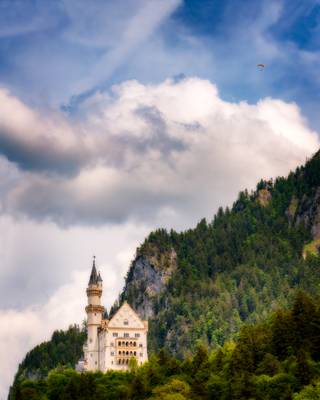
[94, 311]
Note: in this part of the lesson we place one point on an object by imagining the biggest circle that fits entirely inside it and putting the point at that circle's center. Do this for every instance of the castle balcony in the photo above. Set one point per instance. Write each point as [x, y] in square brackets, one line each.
[125, 343]
[94, 308]
[126, 354]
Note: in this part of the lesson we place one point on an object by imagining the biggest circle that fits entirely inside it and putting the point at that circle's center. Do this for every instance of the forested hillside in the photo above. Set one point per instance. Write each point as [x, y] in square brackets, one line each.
[278, 359]
[64, 349]
[203, 284]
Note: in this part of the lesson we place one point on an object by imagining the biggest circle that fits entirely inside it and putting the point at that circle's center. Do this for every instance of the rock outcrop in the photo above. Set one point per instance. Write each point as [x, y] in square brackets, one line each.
[149, 274]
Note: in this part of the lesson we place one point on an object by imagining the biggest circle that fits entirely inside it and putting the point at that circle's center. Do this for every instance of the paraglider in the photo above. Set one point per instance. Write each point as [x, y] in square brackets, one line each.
[260, 66]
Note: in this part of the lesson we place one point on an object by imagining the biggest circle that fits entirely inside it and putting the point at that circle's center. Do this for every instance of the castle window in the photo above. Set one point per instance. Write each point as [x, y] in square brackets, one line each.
[90, 340]
[140, 344]
[123, 343]
[127, 344]
[130, 343]
[137, 335]
[125, 322]
[127, 362]
[112, 353]
[126, 335]
[134, 353]
[134, 343]
[141, 354]
[115, 334]
[111, 344]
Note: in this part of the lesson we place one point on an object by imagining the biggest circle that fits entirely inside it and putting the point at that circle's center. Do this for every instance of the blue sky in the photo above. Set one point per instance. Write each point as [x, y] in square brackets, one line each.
[120, 117]
[53, 51]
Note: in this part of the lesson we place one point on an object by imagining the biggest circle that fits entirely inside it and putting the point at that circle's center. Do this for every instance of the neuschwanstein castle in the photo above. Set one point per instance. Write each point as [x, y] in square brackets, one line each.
[111, 343]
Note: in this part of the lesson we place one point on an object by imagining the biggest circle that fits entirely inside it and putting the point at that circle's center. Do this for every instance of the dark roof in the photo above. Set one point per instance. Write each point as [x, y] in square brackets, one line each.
[94, 276]
[99, 277]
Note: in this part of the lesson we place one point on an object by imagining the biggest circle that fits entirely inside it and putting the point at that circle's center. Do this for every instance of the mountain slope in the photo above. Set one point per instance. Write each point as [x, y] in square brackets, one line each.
[64, 348]
[203, 284]
[278, 359]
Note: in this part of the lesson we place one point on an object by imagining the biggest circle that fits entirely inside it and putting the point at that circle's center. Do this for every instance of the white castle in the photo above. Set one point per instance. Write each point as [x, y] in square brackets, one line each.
[111, 343]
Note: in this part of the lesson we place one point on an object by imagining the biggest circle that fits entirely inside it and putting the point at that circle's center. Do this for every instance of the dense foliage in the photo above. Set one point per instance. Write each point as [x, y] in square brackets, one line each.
[278, 359]
[236, 268]
[64, 348]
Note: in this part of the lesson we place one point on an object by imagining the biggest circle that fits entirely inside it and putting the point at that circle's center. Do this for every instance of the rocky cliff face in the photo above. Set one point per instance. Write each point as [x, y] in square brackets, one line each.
[309, 213]
[149, 274]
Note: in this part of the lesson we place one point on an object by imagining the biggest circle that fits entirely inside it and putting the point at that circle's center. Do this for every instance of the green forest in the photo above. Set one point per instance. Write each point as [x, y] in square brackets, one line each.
[238, 319]
[277, 359]
[64, 349]
[248, 261]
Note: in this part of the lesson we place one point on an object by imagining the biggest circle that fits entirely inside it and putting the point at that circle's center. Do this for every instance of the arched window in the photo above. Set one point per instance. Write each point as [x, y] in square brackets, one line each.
[120, 353]
[130, 343]
[135, 343]
[127, 353]
[134, 353]
[125, 322]
[130, 353]
[127, 343]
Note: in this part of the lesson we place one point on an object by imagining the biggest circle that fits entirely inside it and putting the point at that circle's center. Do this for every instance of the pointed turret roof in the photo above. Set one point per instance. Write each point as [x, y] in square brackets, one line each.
[99, 279]
[94, 276]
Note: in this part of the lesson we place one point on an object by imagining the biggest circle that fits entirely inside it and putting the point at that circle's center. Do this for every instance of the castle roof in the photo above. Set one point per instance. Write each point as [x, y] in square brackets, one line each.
[126, 312]
[94, 278]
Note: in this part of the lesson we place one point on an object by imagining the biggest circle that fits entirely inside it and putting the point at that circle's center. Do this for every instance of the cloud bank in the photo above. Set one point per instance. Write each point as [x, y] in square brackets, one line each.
[145, 153]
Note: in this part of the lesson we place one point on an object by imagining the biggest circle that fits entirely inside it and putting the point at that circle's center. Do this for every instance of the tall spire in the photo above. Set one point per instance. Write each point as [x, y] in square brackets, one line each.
[94, 276]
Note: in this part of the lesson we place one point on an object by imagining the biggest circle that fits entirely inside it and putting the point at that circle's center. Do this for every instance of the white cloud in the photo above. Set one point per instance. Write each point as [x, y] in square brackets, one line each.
[71, 54]
[139, 20]
[146, 150]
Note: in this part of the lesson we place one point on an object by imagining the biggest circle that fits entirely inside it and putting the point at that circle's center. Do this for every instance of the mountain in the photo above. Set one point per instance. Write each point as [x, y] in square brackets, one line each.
[205, 283]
